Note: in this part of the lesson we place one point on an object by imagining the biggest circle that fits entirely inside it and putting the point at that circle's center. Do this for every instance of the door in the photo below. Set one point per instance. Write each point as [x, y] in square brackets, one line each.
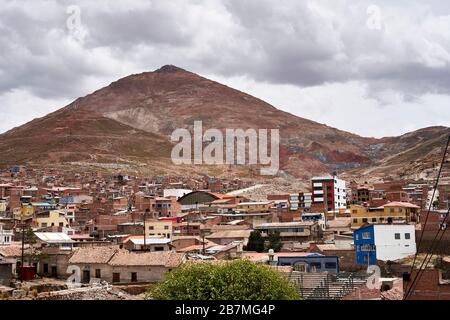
[45, 268]
[116, 277]
[86, 276]
[134, 277]
[54, 271]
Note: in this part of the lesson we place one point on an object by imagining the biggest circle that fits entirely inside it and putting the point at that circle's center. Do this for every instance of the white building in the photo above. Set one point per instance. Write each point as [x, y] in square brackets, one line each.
[330, 190]
[178, 193]
[6, 236]
[393, 242]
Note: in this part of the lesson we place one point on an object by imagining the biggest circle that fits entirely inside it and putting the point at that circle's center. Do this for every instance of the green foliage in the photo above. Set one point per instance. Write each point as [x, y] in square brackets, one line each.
[231, 280]
[274, 241]
[255, 242]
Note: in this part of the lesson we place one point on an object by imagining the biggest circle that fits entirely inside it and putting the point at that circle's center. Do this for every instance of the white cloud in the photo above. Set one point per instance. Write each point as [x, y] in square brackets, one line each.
[318, 60]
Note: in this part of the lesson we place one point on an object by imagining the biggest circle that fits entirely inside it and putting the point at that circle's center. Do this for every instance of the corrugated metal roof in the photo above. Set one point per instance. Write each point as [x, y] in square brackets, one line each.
[53, 237]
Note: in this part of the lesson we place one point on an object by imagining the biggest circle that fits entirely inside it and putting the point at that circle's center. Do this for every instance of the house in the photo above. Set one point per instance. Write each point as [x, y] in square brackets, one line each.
[158, 228]
[138, 243]
[119, 266]
[386, 242]
[225, 237]
[291, 231]
[6, 236]
[254, 207]
[313, 262]
[391, 212]
[329, 192]
[51, 218]
[148, 267]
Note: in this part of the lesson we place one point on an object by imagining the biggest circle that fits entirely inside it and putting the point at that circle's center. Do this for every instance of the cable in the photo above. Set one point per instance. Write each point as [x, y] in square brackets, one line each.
[431, 252]
[431, 203]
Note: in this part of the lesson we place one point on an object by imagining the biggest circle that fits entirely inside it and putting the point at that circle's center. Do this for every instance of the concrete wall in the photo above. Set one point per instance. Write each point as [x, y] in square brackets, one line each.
[389, 248]
[144, 273]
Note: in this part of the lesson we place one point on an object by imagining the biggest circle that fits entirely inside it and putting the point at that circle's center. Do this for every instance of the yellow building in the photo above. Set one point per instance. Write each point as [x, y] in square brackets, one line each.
[254, 207]
[395, 211]
[52, 218]
[158, 228]
[26, 211]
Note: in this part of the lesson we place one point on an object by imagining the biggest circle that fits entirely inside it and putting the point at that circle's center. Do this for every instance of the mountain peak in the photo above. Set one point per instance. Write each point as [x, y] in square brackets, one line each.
[169, 68]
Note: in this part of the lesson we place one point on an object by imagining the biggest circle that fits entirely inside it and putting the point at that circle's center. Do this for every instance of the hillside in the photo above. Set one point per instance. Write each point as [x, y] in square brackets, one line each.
[130, 122]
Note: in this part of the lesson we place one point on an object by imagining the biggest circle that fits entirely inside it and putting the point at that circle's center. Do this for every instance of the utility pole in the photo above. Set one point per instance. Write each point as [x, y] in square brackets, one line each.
[23, 241]
[145, 233]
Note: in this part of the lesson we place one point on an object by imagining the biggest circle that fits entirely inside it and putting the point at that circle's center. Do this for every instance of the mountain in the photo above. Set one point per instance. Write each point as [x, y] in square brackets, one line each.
[130, 122]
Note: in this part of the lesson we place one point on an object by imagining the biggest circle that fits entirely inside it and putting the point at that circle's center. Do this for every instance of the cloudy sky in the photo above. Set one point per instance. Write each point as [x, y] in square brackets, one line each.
[376, 68]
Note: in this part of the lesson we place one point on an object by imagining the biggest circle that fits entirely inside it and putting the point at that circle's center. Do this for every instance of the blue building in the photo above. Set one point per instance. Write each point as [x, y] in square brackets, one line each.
[311, 263]
[364, 240]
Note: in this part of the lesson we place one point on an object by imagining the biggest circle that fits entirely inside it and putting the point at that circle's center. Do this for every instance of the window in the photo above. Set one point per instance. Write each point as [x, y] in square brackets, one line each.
[397, 236]
[330, 265]
[357, 236]
[407, 236]
[374, 219]
[151, 227]
[166, 227]
[116, 277]
[392, 210]
[315, 266]
[134, 277]
[366, 235]
[364, 220]
[355, 220]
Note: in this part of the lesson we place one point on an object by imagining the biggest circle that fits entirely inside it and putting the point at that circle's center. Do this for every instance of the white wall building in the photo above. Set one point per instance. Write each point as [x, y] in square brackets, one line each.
[393, 242]
[330, 190]
[175, 192]
[6, 236]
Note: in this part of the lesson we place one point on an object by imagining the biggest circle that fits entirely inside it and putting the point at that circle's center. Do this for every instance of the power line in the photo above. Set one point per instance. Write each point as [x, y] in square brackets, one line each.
[427, 259]
[431, 203]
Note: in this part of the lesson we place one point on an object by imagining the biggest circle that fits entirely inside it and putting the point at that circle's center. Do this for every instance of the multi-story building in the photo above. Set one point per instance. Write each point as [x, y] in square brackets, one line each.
[386, 242]
[253, 207]
[391, 212]
[158, 228]
[6, 236]
[329, 192]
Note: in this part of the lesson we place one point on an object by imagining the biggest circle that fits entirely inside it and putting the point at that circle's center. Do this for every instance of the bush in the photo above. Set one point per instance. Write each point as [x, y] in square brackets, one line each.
[231, 280]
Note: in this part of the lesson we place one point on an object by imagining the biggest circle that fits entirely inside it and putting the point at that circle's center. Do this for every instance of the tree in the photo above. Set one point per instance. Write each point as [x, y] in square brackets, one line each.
[227, 280]
[255, 242]
[275, 241]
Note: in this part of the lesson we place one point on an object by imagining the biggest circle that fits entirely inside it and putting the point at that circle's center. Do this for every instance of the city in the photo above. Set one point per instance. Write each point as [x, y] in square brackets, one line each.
[127, 232]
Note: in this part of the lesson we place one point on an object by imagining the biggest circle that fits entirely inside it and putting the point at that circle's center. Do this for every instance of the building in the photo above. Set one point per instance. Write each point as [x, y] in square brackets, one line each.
[386, 242]
[6, 236]
[158, 228]
[225, 237]
[120, 266]
[329, 192]
[52, 218]
[311, 263]
[398, 212]
[254, 207]
[291, 231]
[138, 243]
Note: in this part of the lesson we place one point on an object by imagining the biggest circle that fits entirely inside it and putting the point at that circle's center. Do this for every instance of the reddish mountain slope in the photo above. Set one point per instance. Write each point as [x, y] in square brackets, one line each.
[130, 121]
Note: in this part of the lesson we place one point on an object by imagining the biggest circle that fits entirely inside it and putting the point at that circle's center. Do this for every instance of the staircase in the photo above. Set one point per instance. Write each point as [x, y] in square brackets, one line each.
[327, 286]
